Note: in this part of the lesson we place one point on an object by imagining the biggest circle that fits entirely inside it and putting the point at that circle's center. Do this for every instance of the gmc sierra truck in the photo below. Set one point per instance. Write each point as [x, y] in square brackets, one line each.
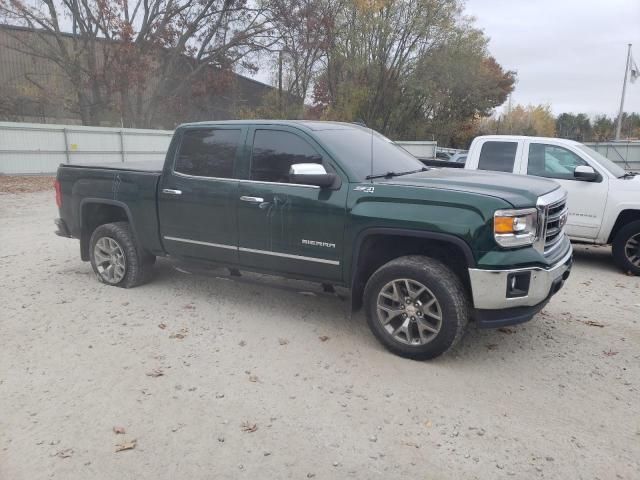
[422, 250]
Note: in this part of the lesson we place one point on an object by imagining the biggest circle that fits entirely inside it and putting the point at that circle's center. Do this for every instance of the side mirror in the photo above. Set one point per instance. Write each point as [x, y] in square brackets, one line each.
[311, 174]
[585, 173]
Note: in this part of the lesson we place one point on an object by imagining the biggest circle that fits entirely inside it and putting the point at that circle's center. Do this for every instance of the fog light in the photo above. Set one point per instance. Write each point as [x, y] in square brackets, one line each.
[518, 284]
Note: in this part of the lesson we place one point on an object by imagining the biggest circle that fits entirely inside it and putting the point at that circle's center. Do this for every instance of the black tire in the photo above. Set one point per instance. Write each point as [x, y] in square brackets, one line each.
[626, 248]
[137, 266]
[441, 283]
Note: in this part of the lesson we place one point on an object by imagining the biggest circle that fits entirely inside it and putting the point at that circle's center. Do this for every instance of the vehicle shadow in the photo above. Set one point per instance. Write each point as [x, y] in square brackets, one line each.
[297, 301]
[594, 256]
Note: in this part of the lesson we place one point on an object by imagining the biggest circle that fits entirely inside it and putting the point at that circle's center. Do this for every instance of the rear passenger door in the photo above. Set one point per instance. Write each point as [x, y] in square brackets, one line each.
[500, 156]
[286, 227]
[198, 194]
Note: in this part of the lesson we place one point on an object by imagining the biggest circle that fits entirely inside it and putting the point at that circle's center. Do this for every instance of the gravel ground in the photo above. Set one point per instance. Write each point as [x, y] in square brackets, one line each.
[220, 378]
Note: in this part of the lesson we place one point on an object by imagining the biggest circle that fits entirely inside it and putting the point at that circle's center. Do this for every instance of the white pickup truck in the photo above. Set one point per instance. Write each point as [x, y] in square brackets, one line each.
[604, 200]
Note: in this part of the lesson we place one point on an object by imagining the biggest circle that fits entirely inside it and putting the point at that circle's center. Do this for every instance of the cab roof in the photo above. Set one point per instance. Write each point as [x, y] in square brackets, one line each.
[314, 125]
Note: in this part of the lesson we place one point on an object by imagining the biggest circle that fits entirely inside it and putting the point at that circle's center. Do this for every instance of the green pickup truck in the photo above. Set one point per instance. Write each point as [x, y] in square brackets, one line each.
[422, 250]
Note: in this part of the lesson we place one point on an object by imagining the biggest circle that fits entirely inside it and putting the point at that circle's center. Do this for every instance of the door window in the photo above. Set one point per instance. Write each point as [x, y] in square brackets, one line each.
[498, 156]
[208, 152]
[552, 161]
[275, 151]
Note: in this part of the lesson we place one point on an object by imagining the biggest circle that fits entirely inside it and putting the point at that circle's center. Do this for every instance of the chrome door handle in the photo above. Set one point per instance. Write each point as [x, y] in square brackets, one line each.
[171, 191]
[252, 199]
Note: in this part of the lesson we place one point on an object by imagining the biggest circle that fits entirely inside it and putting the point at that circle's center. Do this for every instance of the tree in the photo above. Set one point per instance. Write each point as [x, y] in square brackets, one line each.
[136, 57]
[574, 127]
[303, 28]
[603, 129]
[409, 68]
[533, 120]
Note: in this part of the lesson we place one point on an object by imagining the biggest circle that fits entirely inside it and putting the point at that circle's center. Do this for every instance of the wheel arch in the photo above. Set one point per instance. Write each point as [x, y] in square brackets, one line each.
[376, 246]
[624, 217]
[98, 211]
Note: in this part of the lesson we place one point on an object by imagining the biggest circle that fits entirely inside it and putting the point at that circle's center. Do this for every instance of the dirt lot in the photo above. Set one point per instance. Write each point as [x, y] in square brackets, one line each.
[555, 398]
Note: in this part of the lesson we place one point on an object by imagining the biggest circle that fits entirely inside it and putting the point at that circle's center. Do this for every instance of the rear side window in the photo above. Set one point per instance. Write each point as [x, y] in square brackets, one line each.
[275, 151]
[498, 156]
[208, 152]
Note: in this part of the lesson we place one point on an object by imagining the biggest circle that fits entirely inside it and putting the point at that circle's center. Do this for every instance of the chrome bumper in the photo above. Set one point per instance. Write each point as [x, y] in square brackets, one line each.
[489, 287]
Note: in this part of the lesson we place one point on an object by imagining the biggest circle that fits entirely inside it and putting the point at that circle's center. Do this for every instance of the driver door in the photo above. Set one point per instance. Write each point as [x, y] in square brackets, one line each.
[286, 227]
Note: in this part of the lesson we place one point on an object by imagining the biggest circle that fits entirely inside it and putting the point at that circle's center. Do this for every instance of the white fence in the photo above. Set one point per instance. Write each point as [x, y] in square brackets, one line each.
[31, 148]
[422, 149]
[625, 154]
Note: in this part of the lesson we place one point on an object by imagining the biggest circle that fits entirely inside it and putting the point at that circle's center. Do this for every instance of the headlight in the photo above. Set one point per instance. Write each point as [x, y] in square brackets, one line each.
[515, 228]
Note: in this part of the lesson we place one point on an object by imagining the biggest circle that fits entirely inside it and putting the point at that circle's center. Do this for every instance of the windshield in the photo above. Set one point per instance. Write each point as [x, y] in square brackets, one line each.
[615, 170]
[354, 146]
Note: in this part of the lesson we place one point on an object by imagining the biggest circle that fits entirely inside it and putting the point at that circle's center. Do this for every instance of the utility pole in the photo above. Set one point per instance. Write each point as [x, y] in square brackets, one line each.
[624, 91]
[280, 82]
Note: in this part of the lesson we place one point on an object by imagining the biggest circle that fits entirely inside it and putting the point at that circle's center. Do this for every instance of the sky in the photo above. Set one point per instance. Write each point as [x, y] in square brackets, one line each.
[569, 54]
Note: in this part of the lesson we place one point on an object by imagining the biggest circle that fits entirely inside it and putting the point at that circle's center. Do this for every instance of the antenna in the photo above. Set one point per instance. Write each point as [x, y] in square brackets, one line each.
[371, 129]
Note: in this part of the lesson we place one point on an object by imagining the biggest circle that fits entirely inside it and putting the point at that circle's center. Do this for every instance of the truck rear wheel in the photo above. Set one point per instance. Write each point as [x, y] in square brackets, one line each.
[626, 248]
[115, 258]
[416, 307]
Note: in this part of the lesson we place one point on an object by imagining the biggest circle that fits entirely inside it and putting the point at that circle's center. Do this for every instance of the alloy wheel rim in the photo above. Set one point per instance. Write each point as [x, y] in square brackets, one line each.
[632, 250]
[110, 260]
[409, 312]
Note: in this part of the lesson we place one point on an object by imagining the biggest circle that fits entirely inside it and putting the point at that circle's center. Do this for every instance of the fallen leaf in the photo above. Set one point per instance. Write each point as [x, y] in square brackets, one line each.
[323, 338]
[253, 378]
[249, 427]
[593, 323]
[180, 334]
[118, 430]
[283, 341]
[610, 353]
[66, 453]
[162, 326]
[156, 372]
[126, 445]
[506, 330]
[428, 424]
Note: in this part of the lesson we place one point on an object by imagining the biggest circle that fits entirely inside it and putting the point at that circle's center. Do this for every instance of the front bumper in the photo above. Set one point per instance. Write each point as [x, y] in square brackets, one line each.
[496, 305]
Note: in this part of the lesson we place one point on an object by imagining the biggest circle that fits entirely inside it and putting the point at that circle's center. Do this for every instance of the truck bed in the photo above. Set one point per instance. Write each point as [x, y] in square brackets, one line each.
[129, 185]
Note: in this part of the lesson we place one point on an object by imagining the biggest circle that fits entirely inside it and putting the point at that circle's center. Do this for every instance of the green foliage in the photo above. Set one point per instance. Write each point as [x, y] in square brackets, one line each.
[579, 127]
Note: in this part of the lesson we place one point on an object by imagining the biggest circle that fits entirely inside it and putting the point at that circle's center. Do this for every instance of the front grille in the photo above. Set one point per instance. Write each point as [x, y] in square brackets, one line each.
[555, 218]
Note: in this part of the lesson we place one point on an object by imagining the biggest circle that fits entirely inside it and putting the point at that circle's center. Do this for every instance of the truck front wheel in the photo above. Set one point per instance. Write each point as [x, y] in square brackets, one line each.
[115, 258]
[416, 307]
[626, 248]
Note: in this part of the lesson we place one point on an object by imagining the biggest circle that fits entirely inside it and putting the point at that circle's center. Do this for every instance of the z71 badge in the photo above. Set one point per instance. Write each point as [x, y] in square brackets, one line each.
[361, 188]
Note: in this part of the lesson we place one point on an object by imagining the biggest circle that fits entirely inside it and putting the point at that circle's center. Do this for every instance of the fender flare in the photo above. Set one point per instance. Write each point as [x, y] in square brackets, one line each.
[402, 232]
[116, 203]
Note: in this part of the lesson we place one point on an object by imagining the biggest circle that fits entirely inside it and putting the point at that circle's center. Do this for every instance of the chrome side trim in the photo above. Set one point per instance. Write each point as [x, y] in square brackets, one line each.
[288, 255]
[198, 242]
[240, 180]
[253, 250]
